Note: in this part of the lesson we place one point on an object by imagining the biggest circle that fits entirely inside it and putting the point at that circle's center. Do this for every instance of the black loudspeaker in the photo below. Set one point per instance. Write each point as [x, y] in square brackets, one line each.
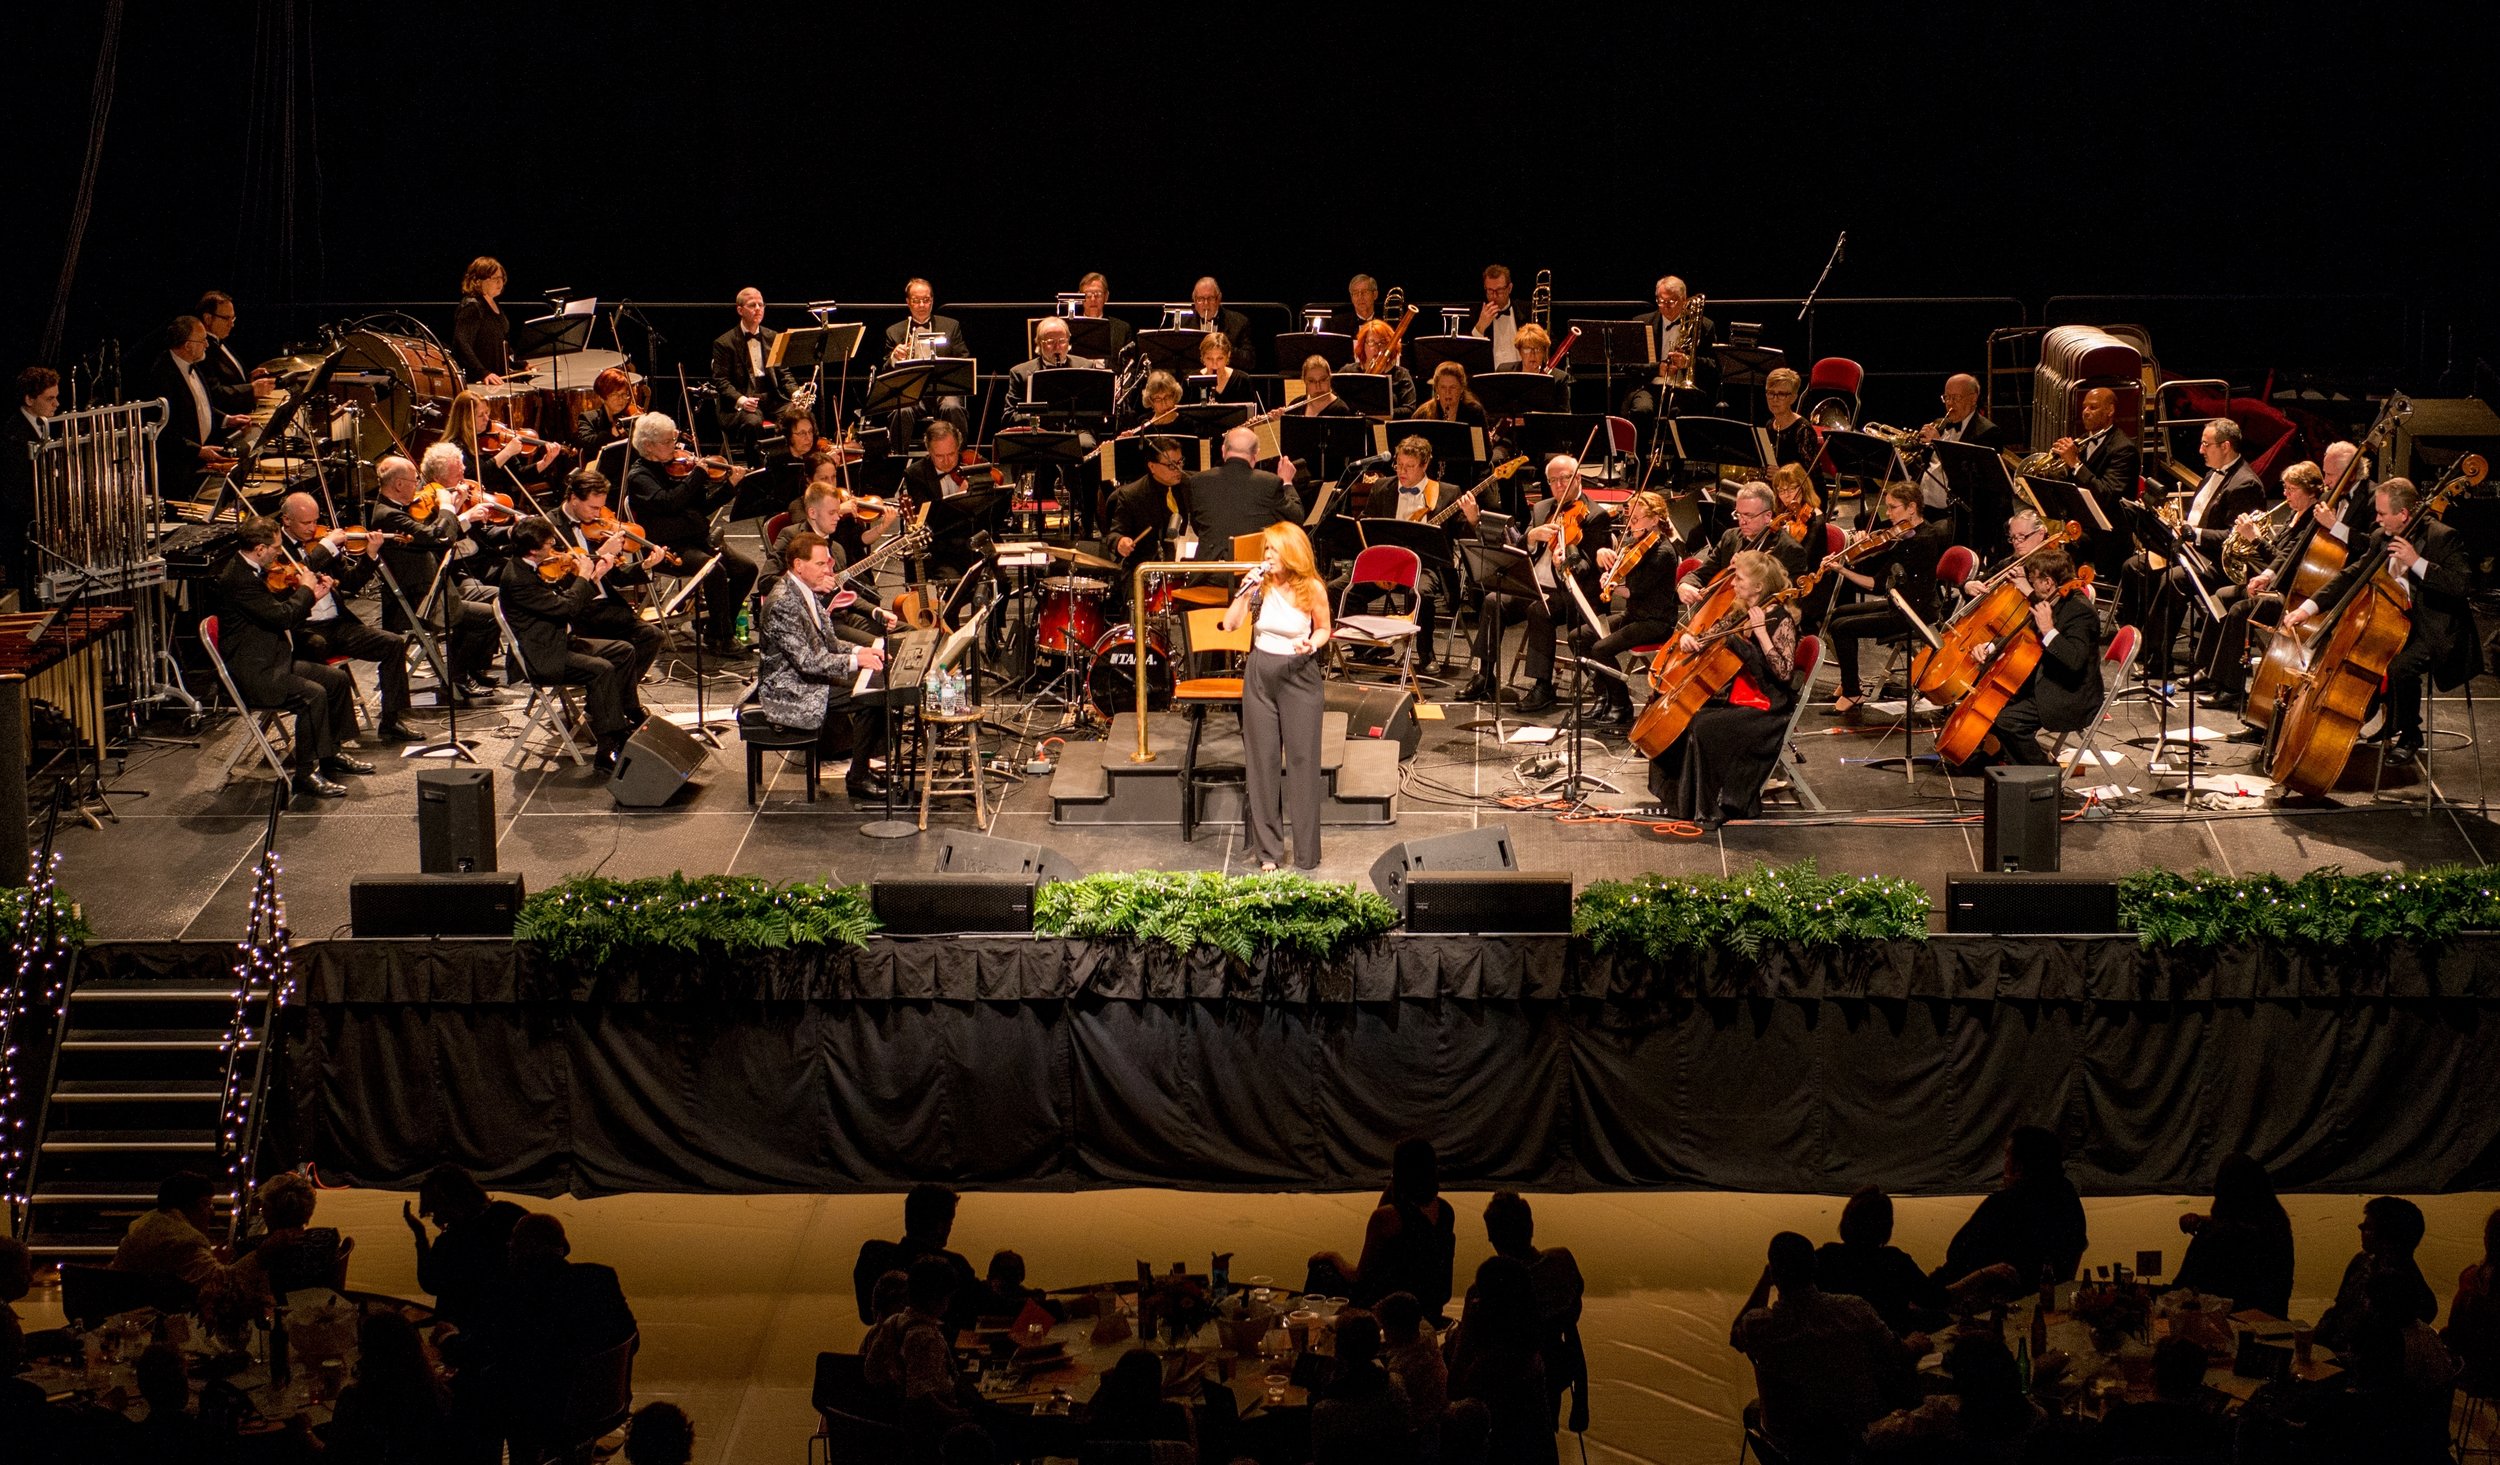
[455, 820]
[1470, 849]
[1387, 713]
[1510, 902]
[979, 854]
[932, 905]
[2030, 905]
[2022, 823]
[654, 764]
[434, 905]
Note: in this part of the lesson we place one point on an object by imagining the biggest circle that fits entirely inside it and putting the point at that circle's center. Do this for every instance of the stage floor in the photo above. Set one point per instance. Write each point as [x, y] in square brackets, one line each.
[178, 862]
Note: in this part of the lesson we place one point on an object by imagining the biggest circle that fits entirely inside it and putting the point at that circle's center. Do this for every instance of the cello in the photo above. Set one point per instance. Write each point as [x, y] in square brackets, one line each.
[1967, 728]
[2322, 712]
[1700, 675]
[1943, 674]
[2318, 557]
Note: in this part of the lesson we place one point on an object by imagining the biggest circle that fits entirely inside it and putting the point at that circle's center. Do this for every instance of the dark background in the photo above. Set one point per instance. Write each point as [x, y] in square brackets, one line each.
[2332, 159]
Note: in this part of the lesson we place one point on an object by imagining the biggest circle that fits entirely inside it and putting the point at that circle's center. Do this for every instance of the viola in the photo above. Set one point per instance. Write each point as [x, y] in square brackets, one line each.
[563, 565]
[607, 526]
[356, 539]
[495, 437]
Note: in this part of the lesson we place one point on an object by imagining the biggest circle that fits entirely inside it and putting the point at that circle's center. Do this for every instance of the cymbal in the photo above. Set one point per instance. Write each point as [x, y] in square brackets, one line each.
[283, 367]
[1079, 557]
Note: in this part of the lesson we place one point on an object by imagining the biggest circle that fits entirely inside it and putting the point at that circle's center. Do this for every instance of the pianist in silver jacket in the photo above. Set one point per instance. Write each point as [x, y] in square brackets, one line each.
[809, 671]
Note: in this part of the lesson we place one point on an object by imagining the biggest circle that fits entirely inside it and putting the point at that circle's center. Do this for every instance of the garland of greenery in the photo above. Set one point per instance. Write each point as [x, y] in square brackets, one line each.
[1237, 914]
[1667, 916]
[591, 919]
[2325, 908]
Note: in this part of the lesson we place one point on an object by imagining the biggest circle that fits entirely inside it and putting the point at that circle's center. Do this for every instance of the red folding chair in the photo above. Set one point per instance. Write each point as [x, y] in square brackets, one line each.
[1391, 567]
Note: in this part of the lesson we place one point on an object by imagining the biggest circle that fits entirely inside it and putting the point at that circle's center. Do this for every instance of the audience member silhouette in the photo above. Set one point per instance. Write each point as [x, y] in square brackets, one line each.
[1409, 1244]
[2242, 1247]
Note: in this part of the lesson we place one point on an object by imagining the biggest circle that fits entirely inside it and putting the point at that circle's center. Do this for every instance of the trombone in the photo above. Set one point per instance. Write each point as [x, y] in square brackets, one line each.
[1541, 301]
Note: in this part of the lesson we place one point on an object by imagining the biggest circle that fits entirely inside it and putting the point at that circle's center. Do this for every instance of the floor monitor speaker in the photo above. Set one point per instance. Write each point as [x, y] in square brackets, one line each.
[654, 764]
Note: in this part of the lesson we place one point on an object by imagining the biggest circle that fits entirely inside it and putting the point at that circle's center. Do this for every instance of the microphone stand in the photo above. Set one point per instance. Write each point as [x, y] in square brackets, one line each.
[1805, 312]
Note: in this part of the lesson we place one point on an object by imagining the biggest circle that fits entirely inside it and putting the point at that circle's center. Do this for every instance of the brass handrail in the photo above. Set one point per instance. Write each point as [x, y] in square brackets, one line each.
[1137, 599]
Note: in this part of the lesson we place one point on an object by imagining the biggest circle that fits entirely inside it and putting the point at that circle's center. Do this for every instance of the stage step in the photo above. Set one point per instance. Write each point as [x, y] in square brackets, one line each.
[1096, 783]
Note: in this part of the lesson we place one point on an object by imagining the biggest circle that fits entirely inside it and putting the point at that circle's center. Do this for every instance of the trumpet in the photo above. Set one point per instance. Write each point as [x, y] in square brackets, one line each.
[1541, 301]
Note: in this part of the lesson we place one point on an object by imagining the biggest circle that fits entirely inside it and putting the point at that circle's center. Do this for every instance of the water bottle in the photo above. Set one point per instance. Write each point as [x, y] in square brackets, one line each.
[745, 631]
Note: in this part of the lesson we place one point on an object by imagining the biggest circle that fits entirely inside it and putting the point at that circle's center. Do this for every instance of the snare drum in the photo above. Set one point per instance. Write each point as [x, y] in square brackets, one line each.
[1112, 685]
[1071, 616]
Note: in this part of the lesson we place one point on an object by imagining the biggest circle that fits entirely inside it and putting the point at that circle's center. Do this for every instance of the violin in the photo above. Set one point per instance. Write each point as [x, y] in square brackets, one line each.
[1799, 523]
[563, 565]
[495, 437]
[866, 506]
[712, 466]
[356, 539]
[282, 576]
[607, 526]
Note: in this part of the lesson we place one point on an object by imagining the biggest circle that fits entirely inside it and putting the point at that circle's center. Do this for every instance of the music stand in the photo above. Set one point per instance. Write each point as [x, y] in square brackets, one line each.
[959, 518]
[1169, 350]
[1326, 443]
[1452, 442]
[1747, 366]
[1574, 781]
[1295, 347]
[1472, 352]
[1068, 391]
[1621, 345]
[2062, 502]
[1207, 419]
[1512, 572]
[1518, 393]
[1368, 393]
[1862, 456]
[688, 589]
[1090, 335]
[1921, 631]
[561, 335]
[912, 382]
[1046, 453]
[1978, 478]
[1723, 441]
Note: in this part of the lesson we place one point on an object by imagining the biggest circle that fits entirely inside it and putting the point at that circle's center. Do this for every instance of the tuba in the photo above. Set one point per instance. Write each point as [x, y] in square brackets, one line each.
[1831, 414]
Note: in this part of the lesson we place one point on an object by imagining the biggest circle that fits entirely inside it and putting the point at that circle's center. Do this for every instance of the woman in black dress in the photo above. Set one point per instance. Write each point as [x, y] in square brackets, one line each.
[607, 420]
[1793, 438]
[1714, 772]
[1802, 520]
[1216, 380]
[1451, 401]
[479, 328]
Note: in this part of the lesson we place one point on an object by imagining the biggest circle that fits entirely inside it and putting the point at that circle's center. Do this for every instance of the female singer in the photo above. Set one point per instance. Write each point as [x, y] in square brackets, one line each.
[1372, 357]
[1451, 401]
[478, 328]
[1281, 703]
[1319, 381]
[1714, 772]
[1216, 378]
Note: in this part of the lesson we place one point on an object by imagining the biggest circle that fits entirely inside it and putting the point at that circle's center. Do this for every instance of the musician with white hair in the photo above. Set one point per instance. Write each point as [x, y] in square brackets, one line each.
[673, 501]
[1539, 614]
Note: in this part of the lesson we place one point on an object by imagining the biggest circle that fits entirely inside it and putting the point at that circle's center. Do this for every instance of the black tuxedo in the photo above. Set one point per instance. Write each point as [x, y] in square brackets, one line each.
[255, 636]
[2063, 692]
[412, 565]
[542, 617]
[1236, 329]
[229, 381]
[676, 513]
[734, 377]
[18, 437]
[2441, 639]
[1236, 499]
[178, 446]
[2140, 598]
[1541, 614]
[1642, 400]
[2109, 474]
[903, 424]
[346, 634]
[899, 334]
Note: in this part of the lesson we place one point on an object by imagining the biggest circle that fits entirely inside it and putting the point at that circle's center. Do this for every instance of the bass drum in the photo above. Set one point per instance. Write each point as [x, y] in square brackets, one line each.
[421, 376]
[1112, 684]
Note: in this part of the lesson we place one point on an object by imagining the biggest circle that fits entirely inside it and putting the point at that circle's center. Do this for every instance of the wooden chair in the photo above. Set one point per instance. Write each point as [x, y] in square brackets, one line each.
[1194, 695]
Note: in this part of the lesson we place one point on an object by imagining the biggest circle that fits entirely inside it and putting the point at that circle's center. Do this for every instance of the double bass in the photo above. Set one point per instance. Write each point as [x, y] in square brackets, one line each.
[2318, 558]
[1944, 674]
[1695, 677]
[2322, 712]
[1966, 727]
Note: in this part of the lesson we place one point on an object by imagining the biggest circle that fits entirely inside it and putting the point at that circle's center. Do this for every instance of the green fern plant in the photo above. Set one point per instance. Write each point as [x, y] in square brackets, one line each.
[592, 919]
[1666, 916]
[1237, 914]
[2323, 908]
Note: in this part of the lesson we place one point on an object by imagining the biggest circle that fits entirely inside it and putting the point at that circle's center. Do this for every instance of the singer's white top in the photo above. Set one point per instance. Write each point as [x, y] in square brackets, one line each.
[1282, 622]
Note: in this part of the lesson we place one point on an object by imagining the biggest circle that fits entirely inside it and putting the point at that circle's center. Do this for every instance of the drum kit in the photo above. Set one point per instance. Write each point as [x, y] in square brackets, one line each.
[1098, 660]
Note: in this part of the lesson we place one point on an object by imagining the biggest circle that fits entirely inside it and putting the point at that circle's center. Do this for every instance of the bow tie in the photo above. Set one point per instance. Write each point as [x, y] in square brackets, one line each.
[751, 335]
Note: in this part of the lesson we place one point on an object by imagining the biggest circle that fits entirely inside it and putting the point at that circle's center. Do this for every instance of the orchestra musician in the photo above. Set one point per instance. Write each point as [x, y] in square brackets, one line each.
[2221, 656]
[1282, 704]
[1650, 400]
[1319, 391]
[826, 511]
[543, 613]
[1411, 494]
[1497, 320]
[2155, 599]
[1756, 514]
[1541, 614]
[1216, 380]
[1207, 313]
[1909, 567]
[232, 387]
[418, 566]
[790, 458]
[604, 425]
[1793, 438]
[2441, 639]
[938, 474]
[745, 386]
[332, 627]
[256, 636]
[2104, 463]
[1372, 356]
[1238, 498]
[1715, 771]
[1536, 354]
[1962, 422]
[1143, 508]
[676, 512]
[480, 331]
[1451, 400]
[920, 303]
[1803, 523]
[1649, 612]
[808, 667]
[1051, 353]
[1362, 295]
[480, 546]
[608, 614]
[1160, 396]
[2024, 533]
[472, 414]
[1097, 293]
[194, 429]
[38, 400]
[2063, 692]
